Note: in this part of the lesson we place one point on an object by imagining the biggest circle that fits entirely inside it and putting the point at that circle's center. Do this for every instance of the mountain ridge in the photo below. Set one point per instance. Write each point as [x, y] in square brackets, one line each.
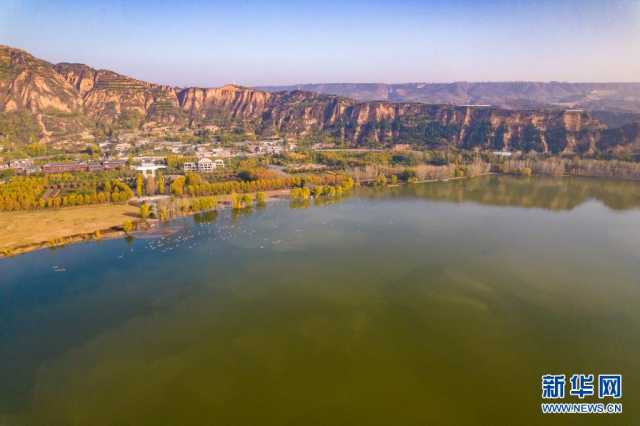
[70, 100]
[611, 96]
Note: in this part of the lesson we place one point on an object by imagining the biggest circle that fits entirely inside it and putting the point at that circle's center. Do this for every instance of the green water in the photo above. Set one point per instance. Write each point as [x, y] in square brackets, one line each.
[437, 304]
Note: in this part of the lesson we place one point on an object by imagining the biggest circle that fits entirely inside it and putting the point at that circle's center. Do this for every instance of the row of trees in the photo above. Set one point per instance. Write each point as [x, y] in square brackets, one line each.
[317, 191]
[192, 187]
[180, 206]
[571, 167]
[31, 193]
[382, 174]
[150, 185]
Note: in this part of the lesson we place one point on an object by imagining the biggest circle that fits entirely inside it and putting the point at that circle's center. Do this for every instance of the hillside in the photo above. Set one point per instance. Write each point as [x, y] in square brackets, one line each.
[71, 102]
[616, 97]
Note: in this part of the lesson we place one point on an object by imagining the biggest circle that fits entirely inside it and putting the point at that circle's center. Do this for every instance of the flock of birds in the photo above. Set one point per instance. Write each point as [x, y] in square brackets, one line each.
[208, 236]
[182, 235]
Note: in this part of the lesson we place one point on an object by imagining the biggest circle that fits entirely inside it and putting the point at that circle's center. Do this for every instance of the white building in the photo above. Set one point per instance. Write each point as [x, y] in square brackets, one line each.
[190, 167]
[205, 165]
[149, 169]
[219, 163]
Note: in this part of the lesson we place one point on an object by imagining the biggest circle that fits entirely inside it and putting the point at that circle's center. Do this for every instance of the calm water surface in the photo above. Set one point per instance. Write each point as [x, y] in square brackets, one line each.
[437, 304]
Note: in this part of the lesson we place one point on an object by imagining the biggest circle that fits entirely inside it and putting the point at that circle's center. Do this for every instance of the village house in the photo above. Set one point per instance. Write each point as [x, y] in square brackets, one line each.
[270, 147]
[22, 166]
[68, 167]
[205, 165]
[190, 167]
[401, 147]
[221, 152]
[148, 159]
[95, 166]
[113, 164]
[321, 146]
[77, 166]
[123, 147]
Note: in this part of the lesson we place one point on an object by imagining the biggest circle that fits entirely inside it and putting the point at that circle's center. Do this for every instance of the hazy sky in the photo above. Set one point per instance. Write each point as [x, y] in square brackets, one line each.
[210, 43]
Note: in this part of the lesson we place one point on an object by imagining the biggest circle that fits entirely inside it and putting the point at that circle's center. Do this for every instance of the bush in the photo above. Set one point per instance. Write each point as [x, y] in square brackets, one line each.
[127, 226]
[526, 171]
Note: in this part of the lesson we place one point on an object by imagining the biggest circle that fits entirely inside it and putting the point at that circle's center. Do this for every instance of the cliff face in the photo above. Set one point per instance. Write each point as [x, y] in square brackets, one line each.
[68, 100]
[27, 83]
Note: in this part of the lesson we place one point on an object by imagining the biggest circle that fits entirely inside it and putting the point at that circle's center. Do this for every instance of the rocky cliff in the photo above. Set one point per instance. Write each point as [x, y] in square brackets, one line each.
[72, 100]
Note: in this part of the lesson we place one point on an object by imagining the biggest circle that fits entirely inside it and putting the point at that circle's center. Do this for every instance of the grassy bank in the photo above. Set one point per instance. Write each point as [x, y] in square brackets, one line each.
[28, 230]
[25, 231]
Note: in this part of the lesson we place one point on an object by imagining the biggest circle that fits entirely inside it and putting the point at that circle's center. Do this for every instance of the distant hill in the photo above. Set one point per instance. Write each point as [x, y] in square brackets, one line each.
[613, 97]
[40, 101]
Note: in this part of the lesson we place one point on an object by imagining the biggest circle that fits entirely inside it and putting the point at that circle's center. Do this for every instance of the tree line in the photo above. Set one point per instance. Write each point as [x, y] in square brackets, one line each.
[33, 193]
[570, 167]
[193, 185]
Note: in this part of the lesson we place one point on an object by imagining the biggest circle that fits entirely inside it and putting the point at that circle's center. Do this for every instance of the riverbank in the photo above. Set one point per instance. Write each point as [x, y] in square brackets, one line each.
[26, 231]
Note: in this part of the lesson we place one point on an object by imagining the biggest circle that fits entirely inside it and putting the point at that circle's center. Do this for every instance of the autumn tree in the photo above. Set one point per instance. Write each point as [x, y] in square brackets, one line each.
[145, 211]
[160, 183]
[150, 185]
[139, 184]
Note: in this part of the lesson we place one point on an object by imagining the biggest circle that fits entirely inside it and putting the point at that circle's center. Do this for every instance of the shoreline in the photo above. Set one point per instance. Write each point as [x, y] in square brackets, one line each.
[224, 202]
[113, 232]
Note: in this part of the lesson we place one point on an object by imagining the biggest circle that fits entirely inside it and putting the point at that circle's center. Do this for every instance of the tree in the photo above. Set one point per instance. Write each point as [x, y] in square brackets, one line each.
[381, 180]
[160, 183]
[246, 200]
[139, 184]
[177, 186]
[150, 185]
[526, 171]
[236, 202]
[145, 211]
[127, 227]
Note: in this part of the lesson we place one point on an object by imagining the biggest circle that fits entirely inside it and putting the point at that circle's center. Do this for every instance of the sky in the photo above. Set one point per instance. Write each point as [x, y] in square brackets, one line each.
[211, 43]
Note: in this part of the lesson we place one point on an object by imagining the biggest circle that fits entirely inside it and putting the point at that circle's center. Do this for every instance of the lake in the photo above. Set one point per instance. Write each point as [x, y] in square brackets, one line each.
[438, 304]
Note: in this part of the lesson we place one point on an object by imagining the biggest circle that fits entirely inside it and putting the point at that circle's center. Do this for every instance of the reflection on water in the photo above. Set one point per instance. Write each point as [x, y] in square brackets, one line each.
[425, 304]
[205, 217]
[546, 193]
